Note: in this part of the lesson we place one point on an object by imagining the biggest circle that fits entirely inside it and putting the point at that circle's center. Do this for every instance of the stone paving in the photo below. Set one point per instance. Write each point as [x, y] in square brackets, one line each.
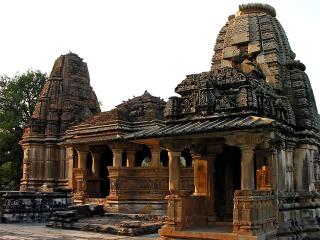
[41, 232]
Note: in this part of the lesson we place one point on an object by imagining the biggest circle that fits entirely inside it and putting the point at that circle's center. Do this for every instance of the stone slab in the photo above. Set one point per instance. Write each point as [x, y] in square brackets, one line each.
[40, 232]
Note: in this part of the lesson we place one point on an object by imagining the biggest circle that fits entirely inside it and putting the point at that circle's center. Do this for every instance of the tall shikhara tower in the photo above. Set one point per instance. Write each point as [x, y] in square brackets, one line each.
[66, 99]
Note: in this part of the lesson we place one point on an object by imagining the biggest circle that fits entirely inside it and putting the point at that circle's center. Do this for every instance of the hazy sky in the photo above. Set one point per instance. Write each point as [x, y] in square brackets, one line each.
[136, 45]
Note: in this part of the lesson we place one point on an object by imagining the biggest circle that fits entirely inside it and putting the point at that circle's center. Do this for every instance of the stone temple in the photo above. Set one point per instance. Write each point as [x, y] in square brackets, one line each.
[235, 156]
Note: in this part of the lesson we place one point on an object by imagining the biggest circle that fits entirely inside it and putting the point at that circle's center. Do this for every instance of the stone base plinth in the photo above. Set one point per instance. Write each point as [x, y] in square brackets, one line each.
[137, 206]
[41, 185]
[214, 233]
[31, 206]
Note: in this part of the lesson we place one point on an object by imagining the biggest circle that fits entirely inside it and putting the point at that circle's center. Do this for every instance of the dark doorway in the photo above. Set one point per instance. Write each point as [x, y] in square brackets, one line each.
[106, 160]
[227, 180]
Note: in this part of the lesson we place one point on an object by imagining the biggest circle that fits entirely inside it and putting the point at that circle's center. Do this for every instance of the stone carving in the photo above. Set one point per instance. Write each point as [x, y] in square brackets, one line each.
[229, 89]
[243, 97]
[254, 212]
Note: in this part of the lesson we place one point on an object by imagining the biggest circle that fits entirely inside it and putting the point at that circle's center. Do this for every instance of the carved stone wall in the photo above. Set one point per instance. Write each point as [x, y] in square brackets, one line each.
[30, 206]
[225, 91]
[254, 212]
[144, 183]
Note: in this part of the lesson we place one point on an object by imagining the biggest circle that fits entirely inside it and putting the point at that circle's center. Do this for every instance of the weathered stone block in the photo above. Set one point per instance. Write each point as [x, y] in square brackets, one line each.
[231, 52]
[240, 38]
[253, 47]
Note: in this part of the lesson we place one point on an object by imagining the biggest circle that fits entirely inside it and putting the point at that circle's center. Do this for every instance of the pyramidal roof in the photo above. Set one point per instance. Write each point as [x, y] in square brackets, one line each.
[66, 98]
[254, 71]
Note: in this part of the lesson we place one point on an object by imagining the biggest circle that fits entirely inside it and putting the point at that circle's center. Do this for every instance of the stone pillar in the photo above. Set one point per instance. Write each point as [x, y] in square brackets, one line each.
[282, 178]
[174, 172]
[26, 163]
[311, 165]
[155, 157]
[82, 159]
[212, 215]
[117, 157]
[200, 175]
[69, 158]
[96, 158]
[302, 171]
[247, 167]
[272, 162]
[289, 167]
[63, 168]
[51, 155]
[247, 143]
[131, 154]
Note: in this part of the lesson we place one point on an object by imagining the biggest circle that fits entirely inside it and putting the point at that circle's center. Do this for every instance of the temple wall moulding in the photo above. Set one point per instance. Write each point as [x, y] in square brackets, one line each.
[250, 140]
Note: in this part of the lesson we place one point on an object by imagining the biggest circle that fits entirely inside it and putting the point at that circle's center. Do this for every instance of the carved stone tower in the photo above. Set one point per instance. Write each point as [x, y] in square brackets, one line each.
[66, 99]
[253, 40]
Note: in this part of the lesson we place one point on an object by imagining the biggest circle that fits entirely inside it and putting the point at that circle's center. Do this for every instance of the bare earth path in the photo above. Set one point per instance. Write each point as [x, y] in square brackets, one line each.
[41, 232]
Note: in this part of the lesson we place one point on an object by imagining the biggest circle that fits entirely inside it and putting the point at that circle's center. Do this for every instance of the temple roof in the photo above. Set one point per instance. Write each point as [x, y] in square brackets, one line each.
[253, 70]
[137, 109]
[207, 126]
[139, 113]
[66, 98]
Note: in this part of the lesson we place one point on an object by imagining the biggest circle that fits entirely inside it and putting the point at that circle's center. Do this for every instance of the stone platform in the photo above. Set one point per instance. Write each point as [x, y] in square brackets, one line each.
[38, 231]
[114, 223]
[218, 231]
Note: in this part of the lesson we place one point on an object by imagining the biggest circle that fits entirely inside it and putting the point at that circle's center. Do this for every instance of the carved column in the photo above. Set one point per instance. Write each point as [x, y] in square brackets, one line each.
[155, 157]
[247, 167]
[311, 164]
[117, 157]
[174, 172]
[200, 174]
[272, 162]
[81, 184]
[131, 154]
[289, 166]
[82, 159]
[281, 174]
[69, 158]
[303, 161]
[96, 157]
[50, 156]
[26, 163]
[212, 216]
[63, 168]
[247, 143]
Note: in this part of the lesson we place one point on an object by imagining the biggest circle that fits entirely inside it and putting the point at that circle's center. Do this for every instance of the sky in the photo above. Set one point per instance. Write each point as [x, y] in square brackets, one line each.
[135, 45]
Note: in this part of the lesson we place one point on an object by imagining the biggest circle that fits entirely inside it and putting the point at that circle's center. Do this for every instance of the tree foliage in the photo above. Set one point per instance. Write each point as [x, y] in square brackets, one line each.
[18, 96]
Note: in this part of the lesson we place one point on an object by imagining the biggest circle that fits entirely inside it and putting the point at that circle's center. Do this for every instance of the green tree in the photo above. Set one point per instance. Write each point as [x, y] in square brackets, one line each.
[18, 96]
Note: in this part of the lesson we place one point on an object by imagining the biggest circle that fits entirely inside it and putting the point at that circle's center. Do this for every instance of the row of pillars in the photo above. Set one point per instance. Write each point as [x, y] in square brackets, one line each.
[204, 162]
[117, 159]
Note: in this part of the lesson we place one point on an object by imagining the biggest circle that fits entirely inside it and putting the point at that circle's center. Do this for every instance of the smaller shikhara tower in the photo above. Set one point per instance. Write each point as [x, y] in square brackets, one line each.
[66, 99]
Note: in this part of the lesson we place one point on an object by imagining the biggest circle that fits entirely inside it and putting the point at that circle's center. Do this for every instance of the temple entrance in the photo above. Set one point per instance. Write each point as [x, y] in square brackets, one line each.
[227, 180]
[105, 161]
